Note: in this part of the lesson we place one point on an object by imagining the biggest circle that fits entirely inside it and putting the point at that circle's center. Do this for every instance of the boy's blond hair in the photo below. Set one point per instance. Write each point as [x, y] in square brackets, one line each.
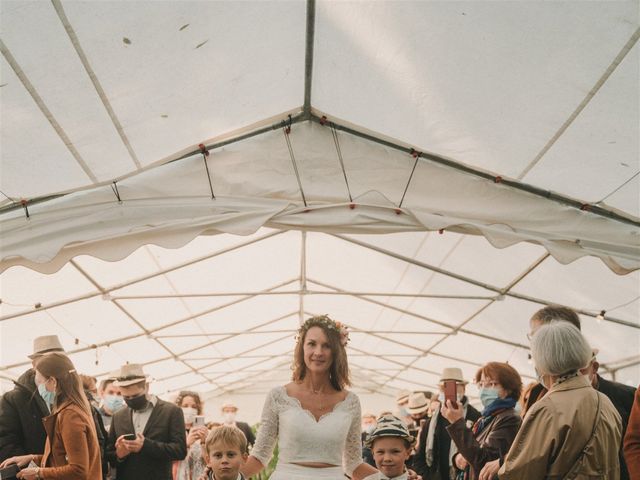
[226, 435]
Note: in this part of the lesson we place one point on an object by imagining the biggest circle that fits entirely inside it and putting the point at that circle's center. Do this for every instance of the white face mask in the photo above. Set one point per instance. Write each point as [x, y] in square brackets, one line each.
[189, 414]
[229, 418]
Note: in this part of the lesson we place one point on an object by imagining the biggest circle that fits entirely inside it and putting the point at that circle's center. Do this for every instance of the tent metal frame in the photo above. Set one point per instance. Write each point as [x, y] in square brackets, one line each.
[303, 114]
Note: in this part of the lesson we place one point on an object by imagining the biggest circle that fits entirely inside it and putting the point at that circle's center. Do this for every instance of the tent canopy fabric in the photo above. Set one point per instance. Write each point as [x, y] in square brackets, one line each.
[358, 159]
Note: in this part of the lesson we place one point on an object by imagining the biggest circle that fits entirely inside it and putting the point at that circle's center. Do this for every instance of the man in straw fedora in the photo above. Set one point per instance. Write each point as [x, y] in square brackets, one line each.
[148, 434]
[22, 409]
[435, 448]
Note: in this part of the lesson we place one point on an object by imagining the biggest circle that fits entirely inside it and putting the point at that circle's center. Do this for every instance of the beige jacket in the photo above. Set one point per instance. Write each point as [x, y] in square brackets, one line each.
[555, 431]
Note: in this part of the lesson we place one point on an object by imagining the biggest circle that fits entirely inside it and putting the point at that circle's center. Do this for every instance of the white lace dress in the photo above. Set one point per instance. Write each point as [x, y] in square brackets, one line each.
[333, 439]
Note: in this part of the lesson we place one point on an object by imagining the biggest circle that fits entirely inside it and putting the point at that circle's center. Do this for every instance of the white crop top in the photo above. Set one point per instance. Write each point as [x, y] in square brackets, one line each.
[334, 439]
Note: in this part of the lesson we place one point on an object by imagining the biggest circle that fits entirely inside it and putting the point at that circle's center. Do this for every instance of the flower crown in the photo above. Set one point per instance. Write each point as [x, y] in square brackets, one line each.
[326, 322]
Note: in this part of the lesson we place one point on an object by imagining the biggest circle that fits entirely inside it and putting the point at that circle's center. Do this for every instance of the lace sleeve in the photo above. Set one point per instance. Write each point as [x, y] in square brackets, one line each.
[352, 456]
[268, 432]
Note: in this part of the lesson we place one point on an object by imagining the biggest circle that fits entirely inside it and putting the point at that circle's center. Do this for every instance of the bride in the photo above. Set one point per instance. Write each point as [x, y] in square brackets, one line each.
[315, 419]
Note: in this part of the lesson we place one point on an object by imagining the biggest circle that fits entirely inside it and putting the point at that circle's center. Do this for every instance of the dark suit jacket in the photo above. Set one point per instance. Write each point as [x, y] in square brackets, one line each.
[441, 446]
[164, 441]
[21, 412]
[621, 396]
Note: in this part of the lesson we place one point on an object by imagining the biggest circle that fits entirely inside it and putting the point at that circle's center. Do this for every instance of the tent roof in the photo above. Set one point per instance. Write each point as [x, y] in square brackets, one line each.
[512, 122]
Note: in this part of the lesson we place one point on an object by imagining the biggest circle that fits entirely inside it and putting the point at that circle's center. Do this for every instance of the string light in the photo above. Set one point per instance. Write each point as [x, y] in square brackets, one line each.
[600, 316]
[529, 359]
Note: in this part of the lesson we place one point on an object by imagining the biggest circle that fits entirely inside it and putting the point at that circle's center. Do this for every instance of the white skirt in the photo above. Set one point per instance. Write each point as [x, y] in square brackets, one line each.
[290, 471]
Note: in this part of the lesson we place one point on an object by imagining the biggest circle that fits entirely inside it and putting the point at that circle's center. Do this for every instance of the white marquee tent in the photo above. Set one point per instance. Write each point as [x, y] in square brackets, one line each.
[184, 182]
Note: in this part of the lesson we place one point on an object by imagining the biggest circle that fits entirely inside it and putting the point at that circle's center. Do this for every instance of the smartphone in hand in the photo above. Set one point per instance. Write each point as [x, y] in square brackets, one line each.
[450, 392]
[199, 421]
[130, 436]
[10, 471]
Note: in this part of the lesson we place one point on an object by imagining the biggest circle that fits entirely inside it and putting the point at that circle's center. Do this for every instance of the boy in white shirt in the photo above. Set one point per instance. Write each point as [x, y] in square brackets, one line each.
[391, 446]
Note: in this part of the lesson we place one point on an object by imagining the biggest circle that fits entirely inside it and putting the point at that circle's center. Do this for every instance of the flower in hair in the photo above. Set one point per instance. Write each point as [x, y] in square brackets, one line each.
[343, 330]
[326, 322]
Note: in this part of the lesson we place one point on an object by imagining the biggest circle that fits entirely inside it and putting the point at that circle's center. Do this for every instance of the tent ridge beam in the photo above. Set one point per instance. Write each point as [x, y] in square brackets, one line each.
[136, 321]
[126, 338]
[143, 278]
[506, 290]
[308, 56]
[292, 330]
[57, 5]
[316, 116]
[292, 117]
[298, 292]
[583, 104]
[486, 286]
[427, 319]
[31, 89]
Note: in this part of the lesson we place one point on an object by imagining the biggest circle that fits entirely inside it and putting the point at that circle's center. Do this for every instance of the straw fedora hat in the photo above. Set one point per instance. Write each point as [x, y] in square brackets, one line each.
[45, 344]
[130, 374]
[452, 374]
[418, 403]
[229, 405]
[402, 396]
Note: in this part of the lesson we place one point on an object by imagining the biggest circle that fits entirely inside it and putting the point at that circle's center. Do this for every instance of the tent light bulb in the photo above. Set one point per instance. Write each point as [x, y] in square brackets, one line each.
[600, 316]
[529, 359]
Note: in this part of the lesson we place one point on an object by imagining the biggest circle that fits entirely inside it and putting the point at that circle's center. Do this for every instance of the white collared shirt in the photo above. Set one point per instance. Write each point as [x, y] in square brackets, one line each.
[141, 417]
[382, 476]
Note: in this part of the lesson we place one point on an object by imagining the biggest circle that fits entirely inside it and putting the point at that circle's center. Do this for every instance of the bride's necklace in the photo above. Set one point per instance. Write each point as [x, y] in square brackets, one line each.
[316, 391]
[318, 399]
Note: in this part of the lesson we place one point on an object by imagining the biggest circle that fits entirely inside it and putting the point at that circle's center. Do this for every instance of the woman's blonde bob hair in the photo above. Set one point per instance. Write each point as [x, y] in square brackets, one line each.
[339, 369]
[559, 348]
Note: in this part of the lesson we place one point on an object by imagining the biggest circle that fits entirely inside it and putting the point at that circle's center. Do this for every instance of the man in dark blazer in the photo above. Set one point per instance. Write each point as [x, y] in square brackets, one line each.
[22, 409]
[434, 448]
[156, 429]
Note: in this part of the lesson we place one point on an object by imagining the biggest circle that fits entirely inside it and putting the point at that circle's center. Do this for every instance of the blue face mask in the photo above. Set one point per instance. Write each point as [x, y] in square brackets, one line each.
[488, 396]
[46, 395]
[113, 403]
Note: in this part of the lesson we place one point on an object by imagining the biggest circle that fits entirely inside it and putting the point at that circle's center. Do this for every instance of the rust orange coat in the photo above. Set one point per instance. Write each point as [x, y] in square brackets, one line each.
[71, 451]
[632, 440]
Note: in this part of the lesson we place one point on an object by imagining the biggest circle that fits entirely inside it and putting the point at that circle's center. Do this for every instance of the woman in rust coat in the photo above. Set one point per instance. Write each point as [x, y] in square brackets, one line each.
[71, 451]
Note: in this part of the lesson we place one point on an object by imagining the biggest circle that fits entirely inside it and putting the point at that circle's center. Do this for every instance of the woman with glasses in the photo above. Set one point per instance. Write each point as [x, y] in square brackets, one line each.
[490, 438]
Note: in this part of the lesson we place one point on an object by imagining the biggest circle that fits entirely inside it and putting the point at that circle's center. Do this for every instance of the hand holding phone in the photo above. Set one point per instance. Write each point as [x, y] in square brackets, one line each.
[199, 421]
[450, 392]
[130, 436]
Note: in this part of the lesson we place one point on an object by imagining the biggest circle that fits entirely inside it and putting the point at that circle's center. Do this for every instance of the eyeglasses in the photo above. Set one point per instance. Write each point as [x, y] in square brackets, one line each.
[490, 384]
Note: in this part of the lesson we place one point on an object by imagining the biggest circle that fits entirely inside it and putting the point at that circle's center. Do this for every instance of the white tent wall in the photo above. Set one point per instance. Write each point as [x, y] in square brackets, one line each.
[421, 136]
